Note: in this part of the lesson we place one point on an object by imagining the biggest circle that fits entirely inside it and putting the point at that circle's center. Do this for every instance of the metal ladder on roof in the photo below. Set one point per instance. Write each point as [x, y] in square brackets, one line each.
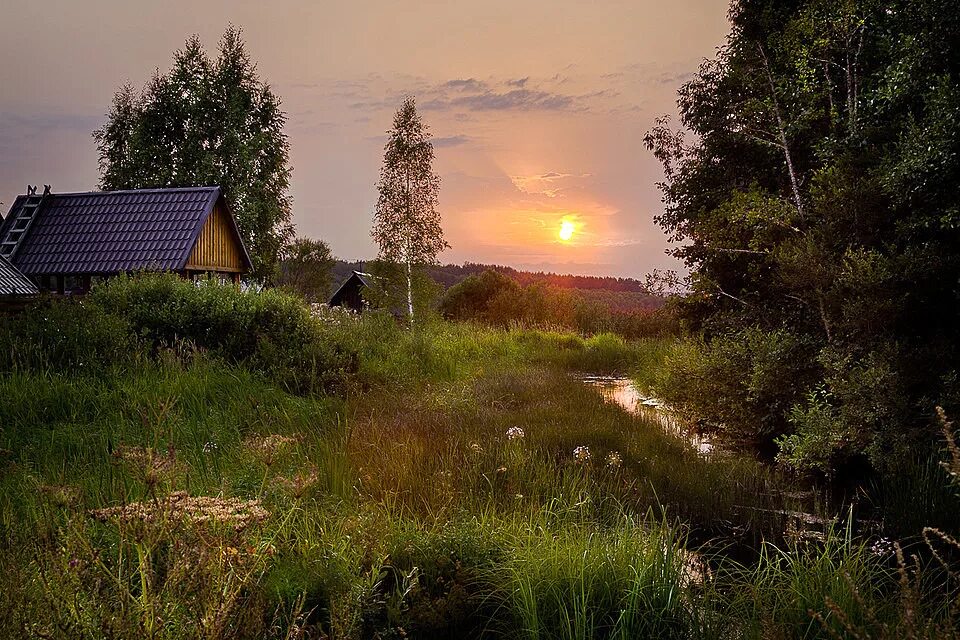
[17, 230]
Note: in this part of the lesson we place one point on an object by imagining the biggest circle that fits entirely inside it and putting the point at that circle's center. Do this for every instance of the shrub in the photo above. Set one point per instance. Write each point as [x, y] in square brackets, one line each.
[126, 318]
[269, 331]
[473, 298]
[497, 299]
[741, 385]
[857, 413]
[67, 335]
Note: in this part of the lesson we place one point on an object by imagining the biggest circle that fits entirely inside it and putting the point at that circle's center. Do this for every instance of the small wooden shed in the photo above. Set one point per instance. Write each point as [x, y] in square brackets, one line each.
[64, 241]
[350, 293]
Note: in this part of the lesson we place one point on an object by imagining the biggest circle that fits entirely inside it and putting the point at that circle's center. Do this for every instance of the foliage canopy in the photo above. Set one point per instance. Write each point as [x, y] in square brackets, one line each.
[307, 268]
[813, 188]
[207, 122]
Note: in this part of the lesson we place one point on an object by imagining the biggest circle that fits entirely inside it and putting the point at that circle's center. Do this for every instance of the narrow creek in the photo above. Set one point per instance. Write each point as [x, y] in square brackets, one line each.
[802, 518]
[624, 392]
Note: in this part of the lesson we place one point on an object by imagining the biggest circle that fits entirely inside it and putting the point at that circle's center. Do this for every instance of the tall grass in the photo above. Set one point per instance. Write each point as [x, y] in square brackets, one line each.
[465, 486]
[625, 582]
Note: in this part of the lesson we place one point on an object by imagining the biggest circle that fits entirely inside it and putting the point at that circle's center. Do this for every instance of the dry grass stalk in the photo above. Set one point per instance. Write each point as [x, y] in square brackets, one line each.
[61, 494]
[269, 448]
[299, 484]
[180, 507]
[150, 464]
[953, 465]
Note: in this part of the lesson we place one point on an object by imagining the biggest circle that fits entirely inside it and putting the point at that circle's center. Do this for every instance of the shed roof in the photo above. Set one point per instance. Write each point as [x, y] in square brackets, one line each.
[357, 279]
[105, 232]
[14, 283]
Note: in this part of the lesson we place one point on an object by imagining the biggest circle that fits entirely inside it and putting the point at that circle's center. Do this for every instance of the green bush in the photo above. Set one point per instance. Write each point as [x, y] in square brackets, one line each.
[741, 385]
[473, 298]
[67, 335]
[496, 299]
[125, 319]
[268, 331]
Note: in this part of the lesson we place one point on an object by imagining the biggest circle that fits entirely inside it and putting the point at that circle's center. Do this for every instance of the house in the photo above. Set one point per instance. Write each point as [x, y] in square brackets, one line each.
[64, 241]
[15, 288]
[350, 293]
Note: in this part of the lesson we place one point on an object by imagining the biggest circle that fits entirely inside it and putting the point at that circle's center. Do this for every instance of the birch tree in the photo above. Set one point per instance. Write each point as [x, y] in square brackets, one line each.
[406, 224]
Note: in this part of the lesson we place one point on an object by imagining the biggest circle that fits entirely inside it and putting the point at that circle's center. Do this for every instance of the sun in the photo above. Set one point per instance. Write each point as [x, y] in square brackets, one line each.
[566, 230]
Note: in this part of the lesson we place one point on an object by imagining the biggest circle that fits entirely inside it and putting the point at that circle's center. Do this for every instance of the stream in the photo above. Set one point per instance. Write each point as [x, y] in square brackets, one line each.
[624, 392]
[797, 508]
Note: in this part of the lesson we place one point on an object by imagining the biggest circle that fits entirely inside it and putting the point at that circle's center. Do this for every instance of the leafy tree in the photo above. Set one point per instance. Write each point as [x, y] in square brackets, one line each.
[306, 267]
[388, 289]
[812, 185]
[407, 223]
[471, 298]
[207, 122]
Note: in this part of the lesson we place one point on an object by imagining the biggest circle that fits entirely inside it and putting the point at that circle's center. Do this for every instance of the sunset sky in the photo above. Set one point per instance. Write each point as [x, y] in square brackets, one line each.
[538, 108]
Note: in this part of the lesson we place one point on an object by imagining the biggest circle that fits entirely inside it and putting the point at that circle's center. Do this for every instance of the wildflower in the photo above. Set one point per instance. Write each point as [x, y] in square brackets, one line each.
[515, 433]
[179, 506]
[582, 454]
[882, 547]
[210, 447]
[502, 470]
[614, 460]
[476, 448]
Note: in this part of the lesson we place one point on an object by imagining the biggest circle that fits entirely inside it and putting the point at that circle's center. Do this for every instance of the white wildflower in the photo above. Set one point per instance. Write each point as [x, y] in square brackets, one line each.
[882, 547]
[614, 460]
[515, 433]
[582, 454]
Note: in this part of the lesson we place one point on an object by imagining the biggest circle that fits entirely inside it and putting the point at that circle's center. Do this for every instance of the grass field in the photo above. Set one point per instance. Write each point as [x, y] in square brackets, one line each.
[463, 483]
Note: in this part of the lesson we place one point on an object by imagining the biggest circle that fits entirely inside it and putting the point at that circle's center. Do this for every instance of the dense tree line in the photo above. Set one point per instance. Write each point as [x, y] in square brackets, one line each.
[494, 298]
[450, 274]
[813, 186]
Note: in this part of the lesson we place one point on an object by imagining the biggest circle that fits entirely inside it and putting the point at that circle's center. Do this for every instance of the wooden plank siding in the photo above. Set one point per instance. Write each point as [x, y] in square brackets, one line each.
[218, 247]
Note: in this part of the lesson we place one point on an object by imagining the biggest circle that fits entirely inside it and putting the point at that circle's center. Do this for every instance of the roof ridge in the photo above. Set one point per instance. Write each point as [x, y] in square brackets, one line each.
[119, 191]
[110, 231]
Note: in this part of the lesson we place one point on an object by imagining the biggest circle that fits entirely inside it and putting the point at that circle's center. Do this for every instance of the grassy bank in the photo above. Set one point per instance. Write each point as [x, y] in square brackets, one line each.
[456, 482]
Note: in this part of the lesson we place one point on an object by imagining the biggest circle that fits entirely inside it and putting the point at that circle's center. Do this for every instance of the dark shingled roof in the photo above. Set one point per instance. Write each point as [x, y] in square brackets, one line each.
[357, 279]
[14, 283]
[114, 231]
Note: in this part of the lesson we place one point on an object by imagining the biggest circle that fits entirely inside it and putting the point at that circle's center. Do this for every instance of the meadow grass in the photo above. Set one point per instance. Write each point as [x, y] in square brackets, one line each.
[445, 492]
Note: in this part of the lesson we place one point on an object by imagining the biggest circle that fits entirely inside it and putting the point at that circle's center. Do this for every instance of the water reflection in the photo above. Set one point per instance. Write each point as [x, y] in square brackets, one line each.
[624, 392]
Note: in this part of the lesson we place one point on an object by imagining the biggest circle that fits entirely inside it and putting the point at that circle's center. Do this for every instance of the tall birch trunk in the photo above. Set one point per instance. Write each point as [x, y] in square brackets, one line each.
[409, 290]
[782, 135]
[408, 251]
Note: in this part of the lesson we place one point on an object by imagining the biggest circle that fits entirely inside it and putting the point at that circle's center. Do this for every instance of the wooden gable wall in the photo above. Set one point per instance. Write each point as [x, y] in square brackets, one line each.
[218, 247]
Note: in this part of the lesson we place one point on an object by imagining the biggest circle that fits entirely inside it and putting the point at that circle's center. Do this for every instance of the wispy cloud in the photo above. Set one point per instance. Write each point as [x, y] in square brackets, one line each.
[549, 184]
[451, 141]
[469, 84]
[513, 100]
[570, 91]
